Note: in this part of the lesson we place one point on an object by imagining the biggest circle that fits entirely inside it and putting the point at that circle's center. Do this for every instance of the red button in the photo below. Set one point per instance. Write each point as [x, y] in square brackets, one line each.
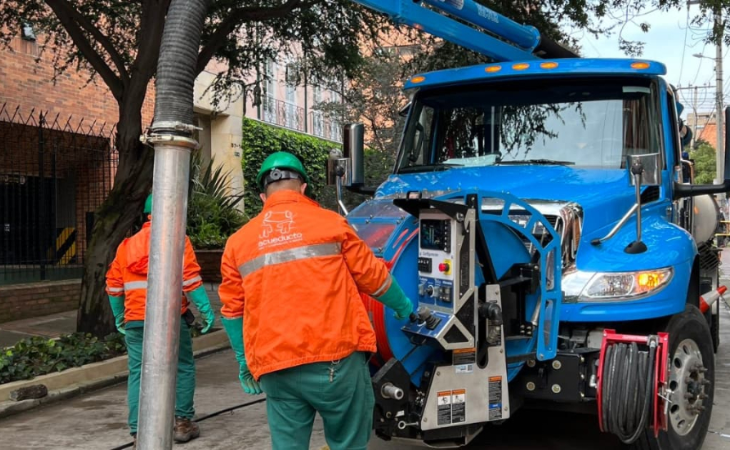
[443, 267]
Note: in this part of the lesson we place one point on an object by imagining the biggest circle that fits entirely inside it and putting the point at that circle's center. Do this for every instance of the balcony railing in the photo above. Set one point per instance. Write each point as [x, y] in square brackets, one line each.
[289, 115]
[284, 114]
[324, 128]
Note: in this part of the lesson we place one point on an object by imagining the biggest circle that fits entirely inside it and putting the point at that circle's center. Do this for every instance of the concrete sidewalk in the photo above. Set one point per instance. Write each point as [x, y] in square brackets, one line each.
[55, 325]
[98, 421]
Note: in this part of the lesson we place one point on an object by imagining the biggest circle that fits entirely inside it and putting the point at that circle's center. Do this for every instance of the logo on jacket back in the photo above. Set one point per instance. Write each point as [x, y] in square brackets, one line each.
[276, 229]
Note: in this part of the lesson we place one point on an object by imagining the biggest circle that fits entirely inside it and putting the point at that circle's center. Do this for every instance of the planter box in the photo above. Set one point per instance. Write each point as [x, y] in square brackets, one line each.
[210, 264]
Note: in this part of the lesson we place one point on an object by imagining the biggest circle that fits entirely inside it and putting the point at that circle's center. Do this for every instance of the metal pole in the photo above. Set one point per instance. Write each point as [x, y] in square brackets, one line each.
[164, 291]
[694, 111]
[720, 104]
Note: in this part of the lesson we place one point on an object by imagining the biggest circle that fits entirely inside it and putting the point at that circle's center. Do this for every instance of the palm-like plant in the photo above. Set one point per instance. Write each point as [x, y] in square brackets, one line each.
[212, 213]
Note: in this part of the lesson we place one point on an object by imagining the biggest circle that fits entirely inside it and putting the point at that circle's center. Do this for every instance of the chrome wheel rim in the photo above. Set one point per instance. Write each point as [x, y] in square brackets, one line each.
[688, 385]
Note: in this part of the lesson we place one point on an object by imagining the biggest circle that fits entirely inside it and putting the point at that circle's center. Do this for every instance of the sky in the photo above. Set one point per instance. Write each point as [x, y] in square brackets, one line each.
[670, 41]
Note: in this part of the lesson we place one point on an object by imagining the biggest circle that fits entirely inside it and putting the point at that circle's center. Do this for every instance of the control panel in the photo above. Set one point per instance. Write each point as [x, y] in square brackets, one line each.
[436, 260]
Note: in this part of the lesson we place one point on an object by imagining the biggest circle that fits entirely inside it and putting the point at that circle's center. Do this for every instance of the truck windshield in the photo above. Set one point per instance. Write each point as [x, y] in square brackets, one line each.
[583, 124]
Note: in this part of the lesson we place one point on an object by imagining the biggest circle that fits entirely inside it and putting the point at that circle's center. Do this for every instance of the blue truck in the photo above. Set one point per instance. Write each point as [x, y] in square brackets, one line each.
[538, 218]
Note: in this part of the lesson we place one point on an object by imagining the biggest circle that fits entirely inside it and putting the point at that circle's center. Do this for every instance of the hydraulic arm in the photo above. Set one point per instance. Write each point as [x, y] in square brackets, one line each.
[492, 34]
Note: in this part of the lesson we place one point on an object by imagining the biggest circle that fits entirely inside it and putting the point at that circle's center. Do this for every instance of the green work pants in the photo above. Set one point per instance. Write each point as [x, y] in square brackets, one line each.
[185, 387]
[345, 401]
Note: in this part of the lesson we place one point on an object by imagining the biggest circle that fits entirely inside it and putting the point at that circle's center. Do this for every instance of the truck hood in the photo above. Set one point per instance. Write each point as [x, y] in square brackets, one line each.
[604, 195]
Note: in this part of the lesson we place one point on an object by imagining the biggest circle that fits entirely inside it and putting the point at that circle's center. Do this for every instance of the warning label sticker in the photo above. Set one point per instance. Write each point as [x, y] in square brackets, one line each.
[444, 407]
[495, 398]
[458, 406]
[464, 356]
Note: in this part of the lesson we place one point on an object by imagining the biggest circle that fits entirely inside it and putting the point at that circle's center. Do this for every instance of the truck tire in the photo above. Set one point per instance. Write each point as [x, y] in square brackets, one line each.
[690, 346]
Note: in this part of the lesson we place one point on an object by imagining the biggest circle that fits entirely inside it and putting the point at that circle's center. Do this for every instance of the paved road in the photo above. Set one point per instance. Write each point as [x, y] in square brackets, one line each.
[97, 421]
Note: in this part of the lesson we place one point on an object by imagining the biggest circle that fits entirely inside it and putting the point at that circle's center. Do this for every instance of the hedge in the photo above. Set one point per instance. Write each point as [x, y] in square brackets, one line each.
[260, 140]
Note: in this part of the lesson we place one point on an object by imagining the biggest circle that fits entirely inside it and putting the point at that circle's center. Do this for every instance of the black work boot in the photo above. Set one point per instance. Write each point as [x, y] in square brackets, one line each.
[185, 429]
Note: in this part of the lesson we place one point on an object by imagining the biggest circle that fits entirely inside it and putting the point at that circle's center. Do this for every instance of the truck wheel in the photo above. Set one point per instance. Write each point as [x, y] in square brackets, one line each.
[691, 378]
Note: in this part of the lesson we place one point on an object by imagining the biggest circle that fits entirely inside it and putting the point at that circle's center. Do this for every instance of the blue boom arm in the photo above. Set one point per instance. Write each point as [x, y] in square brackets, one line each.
[521, 40]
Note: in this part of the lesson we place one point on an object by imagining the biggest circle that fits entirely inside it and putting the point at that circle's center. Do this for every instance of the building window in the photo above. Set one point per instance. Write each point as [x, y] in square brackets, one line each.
[270, 92]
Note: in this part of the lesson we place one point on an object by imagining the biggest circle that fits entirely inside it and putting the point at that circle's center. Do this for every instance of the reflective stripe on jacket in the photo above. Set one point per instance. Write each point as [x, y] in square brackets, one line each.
[295, 273]
[127, 275]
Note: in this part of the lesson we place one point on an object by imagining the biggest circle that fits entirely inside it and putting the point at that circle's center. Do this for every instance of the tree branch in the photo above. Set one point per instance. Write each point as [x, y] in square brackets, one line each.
[241, 15]
[98, 35]
[87, 50]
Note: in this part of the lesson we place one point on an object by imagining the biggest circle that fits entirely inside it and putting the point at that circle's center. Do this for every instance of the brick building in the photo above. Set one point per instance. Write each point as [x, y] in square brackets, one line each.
[57, 163]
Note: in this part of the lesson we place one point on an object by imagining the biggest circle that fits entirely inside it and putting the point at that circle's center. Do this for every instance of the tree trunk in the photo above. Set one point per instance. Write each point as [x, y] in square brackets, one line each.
[114, 219]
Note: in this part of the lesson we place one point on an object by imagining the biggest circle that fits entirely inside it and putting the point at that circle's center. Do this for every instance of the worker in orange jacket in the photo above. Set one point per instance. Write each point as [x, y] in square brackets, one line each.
[126, 287]
[293, 276]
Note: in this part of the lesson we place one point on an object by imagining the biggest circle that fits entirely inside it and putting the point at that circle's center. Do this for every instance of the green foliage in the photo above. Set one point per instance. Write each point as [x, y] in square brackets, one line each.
[37, 356]
[704, 158]
[261, 140]
[212, 214]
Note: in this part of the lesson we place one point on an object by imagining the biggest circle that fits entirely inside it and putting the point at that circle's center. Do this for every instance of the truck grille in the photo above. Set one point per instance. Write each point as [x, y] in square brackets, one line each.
[566, 219]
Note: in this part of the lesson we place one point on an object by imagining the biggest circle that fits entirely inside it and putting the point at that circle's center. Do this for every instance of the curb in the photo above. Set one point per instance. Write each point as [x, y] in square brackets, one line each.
[79, 380]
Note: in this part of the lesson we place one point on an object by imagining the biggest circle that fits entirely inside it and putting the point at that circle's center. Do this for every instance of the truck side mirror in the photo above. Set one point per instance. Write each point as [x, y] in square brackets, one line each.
[694, 190]
[644, 170]
[651, 164]
[354, 150]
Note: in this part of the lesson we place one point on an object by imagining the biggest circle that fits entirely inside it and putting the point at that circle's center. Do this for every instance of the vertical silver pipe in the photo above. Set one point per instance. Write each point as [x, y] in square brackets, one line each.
[164, 294]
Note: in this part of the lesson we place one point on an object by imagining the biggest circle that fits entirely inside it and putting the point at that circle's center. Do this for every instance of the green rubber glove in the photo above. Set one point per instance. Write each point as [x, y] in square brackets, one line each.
[200, 298]
[117, 304]
[234, 329]
[396, 299]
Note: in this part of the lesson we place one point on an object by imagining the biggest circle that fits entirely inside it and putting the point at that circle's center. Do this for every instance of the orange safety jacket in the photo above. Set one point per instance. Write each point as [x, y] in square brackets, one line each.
[295, 273]
[127, 275]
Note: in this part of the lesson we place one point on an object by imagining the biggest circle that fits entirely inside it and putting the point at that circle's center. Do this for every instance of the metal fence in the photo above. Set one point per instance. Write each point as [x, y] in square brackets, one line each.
[283, 113]
[324, 128]
[54, 173]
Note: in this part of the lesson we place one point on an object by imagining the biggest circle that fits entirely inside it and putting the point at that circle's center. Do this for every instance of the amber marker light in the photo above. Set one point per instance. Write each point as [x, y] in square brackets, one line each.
[493, 69]
[549, 65]
[520, 66]
[418, 79]
[640, 65]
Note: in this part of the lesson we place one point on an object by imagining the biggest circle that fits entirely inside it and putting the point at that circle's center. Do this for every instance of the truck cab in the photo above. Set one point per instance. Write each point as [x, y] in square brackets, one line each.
[549, 194]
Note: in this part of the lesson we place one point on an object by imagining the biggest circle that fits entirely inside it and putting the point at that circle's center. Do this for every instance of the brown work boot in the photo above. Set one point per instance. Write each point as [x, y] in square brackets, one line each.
[185, 429]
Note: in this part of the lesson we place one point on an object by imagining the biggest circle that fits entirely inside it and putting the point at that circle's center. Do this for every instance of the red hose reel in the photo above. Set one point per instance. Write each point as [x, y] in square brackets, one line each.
[660, 403]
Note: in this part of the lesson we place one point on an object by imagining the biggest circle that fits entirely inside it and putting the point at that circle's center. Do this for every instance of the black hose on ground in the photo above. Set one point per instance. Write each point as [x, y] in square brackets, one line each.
[627, 390]
[177, 62]
[207, 416]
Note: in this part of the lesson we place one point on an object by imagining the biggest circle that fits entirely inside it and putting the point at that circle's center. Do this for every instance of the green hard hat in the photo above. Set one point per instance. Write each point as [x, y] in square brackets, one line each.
[280, 160]
[148, 205]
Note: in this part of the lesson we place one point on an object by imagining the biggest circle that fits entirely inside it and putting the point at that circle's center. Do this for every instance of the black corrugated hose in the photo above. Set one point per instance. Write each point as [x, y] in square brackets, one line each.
[177, 62]
[627, 390]
[207, 416]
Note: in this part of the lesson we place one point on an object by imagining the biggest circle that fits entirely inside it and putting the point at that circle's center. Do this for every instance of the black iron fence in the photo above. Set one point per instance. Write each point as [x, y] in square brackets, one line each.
[54, 173]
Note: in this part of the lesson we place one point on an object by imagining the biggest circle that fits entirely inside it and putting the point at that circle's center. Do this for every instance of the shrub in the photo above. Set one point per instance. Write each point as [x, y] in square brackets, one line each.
[212, 214]
[260, 140]
[37, 356]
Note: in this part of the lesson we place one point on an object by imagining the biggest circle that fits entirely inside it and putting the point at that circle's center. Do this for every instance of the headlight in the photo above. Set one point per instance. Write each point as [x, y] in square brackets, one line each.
[601, 286]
